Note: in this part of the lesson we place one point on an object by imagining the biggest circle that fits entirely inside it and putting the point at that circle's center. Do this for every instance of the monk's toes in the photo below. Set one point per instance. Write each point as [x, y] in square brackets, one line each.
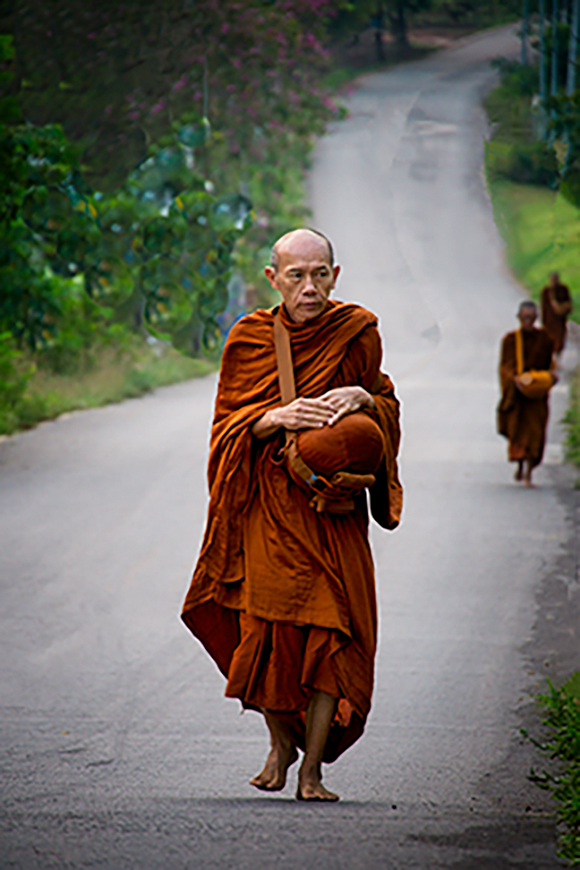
[268, 782]
[318, 793]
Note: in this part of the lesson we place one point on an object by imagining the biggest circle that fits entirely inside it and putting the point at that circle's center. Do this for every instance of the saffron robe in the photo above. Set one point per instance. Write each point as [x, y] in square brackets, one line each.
[553, 323]
[521, 420]
[283, 597]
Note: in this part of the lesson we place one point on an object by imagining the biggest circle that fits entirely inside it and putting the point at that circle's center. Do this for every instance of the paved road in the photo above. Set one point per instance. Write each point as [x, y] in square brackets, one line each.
[118, 749]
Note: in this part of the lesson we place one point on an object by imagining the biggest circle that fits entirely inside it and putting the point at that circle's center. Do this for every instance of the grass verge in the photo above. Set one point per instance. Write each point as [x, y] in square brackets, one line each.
[542, 234]
[112, 378]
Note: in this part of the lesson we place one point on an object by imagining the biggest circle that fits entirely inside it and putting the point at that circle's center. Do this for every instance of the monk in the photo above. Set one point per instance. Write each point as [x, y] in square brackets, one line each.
[283, 596]
[522, 420]
[556, 304]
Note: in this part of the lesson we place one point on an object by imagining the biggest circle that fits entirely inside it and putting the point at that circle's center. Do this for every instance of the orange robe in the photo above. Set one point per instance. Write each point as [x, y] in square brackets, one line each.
[553, 323]
[283, 597]
[521, 420]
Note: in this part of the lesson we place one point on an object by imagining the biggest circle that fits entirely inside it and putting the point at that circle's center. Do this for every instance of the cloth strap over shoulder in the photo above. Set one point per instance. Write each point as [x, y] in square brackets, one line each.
[284, 361]
[335, 495]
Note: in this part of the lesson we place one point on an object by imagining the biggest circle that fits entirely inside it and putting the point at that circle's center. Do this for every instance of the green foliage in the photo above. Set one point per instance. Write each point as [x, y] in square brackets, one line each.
[572, 421]
[565, 124]
[563, 747]
[116, 75]
[124, 213]
[525, 163]
[509, 106]
[514, 153]
[542, 234]
[13, 381]
[156, 252]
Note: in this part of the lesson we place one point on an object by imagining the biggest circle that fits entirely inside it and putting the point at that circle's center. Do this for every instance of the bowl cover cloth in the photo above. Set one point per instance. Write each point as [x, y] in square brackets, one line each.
[355, 444]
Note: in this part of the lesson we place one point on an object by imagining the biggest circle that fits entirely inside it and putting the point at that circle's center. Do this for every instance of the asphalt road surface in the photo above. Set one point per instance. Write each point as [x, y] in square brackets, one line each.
[118, 748]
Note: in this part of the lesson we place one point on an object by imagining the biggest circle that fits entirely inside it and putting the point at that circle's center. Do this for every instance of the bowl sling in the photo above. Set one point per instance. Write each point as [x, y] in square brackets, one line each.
[541, 380]
[334, 494]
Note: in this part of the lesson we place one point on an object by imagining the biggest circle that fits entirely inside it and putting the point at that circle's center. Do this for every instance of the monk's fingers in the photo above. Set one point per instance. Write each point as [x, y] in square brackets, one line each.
[350, 398]
[342, 412]
[305, 414]
[320, 404]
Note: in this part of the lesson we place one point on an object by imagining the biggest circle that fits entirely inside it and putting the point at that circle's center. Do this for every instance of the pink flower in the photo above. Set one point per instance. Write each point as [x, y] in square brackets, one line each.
[158, 107]
[179, 84]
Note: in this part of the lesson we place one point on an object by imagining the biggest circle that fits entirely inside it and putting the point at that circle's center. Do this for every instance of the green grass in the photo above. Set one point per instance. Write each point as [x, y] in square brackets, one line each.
[113, 378]
[542, 235]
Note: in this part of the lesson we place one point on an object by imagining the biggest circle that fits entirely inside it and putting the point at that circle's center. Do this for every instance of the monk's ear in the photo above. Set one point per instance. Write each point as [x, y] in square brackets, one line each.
[272, 276]
[335, 274]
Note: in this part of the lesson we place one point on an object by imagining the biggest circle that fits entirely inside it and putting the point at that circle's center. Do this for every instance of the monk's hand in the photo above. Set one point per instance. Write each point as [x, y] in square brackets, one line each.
[299, 414]
[346, 400]
[524, 380]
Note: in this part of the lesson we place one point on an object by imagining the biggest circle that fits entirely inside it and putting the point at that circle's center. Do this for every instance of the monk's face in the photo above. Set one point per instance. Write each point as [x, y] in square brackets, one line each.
[527, 318]
[304, 276]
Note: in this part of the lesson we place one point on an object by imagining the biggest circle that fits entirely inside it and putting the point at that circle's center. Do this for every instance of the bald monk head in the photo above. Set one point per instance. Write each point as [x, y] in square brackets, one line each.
[303, 272]
[527, 315]
[554, 279]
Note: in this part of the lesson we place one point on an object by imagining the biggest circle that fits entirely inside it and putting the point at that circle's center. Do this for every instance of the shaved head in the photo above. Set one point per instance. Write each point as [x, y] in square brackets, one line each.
[302, 269]
[527, 315]
[300, 236]
[527, 307]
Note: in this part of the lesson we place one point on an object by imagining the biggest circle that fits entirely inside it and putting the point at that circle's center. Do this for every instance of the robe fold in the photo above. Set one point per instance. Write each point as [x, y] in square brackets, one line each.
[283, 597]
[521, 420]
[553, 323]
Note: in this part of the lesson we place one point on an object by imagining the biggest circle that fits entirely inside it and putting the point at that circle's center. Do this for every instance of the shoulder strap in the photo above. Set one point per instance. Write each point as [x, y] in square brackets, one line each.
[519, 352]
[284, 361]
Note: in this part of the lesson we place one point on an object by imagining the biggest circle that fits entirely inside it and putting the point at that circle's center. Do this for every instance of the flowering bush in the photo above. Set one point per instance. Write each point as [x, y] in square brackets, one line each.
[150, 131]
[117, 75]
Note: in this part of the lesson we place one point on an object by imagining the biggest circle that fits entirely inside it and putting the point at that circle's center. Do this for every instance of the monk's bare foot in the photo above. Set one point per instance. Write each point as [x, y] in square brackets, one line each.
[273, 776]
[528, 476]
[519, 471]
[310, 787]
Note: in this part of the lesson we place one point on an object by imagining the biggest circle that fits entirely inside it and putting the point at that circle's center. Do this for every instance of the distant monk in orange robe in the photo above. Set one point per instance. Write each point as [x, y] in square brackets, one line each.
[283, 596]
[522, 420]
[556, 305]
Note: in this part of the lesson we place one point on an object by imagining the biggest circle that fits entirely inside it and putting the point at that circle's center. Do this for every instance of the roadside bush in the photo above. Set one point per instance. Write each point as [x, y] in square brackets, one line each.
[572, 421]
[13, 382]
[563, 748]
[524, 163]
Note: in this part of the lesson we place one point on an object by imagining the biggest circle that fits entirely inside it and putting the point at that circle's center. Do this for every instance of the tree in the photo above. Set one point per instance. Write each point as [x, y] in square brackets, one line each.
[573, 48]
[555, 48]
[133, 194]
[525, 30]
[542, 50]
[117, 75]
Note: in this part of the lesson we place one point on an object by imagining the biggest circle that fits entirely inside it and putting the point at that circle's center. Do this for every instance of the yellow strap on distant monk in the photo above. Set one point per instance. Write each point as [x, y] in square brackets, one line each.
[519, 352]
